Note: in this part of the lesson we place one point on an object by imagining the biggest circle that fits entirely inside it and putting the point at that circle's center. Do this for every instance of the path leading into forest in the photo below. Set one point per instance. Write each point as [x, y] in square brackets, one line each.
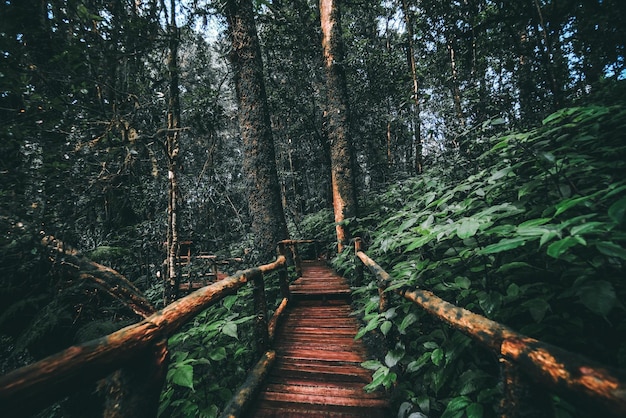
[317, 372]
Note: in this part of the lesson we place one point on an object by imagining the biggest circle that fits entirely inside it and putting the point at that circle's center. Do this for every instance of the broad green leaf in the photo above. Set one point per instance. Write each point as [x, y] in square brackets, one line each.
[463, 282]
[617, 210]
[513, 266]
[407, 321]
[436, 356]
[457, 404]
[229, 301]
[489, 302]
[598, 296]
[537, 308]
[393, 357]
[566, 204]
[556, 249]
[371, 365]
[611, 249]
[547, 237]
[467, 228]
[183, 376]
[534, 222]
[504, 245]
[587, 227]
[218, 354]
[385, 327]
[474, 410]
[230, 329]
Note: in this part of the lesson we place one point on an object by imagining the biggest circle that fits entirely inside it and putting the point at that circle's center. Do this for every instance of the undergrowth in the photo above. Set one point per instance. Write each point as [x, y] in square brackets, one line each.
[212, 355]
[533, 238]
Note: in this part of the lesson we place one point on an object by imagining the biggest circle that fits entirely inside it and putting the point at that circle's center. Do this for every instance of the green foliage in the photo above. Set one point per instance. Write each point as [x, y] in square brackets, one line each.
[535, 238]
[212, 355]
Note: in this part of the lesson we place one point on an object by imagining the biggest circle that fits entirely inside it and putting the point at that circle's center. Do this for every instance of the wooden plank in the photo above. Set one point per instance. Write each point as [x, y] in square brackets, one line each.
[317, 372]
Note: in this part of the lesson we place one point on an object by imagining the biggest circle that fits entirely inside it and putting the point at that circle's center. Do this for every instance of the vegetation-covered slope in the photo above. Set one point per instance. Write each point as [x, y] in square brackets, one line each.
[535, 238]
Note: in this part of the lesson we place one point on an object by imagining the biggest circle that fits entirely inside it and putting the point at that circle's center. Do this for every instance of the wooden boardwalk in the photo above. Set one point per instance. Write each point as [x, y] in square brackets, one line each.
[317, 371]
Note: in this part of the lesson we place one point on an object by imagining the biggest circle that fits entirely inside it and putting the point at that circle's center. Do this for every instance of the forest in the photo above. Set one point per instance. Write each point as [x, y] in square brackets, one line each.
[477, 147]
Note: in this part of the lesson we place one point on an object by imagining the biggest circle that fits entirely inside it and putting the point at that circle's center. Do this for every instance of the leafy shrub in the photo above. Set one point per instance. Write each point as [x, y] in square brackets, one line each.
[213, 355]
[535, 238]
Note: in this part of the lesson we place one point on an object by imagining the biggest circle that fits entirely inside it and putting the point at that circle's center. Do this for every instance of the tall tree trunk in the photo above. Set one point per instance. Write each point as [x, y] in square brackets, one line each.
[415, 119]
[548, 59]
[264, 202]
[173, 150]
[456, 91]
[341, 152]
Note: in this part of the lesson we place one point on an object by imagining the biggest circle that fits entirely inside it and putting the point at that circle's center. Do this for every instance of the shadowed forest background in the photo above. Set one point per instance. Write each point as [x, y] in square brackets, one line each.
[486, 149]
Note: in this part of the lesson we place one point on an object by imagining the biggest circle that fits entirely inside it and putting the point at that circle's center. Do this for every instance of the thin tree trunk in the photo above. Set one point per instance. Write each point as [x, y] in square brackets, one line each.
[456, 91]
[264, 201]
[173, 150]
[415, 119]
[341, 152]
[548, 59]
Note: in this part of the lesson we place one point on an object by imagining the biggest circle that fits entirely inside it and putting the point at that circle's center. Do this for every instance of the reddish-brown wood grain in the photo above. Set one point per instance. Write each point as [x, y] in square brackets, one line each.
[317, 372]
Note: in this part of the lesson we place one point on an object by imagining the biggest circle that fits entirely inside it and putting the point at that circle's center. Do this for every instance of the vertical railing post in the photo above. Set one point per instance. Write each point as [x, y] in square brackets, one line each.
[134, 390]
[296, 259]
[260, 310]
[522, 398]
[283, 275]
[383, 296]
[358, 268]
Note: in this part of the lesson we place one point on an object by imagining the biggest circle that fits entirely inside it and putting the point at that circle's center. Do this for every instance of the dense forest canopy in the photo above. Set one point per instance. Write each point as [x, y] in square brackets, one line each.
[116, 115]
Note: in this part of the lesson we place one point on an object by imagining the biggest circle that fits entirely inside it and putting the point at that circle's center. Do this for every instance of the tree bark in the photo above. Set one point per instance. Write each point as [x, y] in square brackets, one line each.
[264, 201]
[173, 149]
[415, 117]
[341, 151]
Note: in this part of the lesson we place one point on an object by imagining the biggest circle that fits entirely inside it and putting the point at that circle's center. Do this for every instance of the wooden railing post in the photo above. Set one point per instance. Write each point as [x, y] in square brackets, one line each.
[134, 390]
[283, 275]
[358, 264]
[522, 397]
[260, 310]
[296, 259]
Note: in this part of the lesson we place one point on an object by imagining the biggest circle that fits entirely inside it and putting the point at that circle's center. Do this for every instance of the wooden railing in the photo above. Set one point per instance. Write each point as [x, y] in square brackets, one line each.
[526, 362]
[139, 353]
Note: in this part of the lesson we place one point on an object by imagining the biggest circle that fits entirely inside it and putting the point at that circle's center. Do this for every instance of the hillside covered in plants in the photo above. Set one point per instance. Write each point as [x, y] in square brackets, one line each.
[531, 233]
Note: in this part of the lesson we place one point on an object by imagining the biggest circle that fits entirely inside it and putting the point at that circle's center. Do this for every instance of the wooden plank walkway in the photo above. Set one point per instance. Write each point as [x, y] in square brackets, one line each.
[317, 371]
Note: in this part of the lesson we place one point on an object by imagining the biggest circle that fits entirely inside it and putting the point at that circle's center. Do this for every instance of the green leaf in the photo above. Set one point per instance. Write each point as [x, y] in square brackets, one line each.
[386, 327]
[598, 296]
[617, 210]
[467, 228]
[436, 356]
[393, 357]
[556, 249]
[229, 301]
[611, 249]
[513, 266]
[566, 204]
[218, 354]
[371, 365]
[463, 282]
[230, 329]
[587, 227]
[456, 404]
[408, 320]
[474, 410]
[505, 244]
[183, 376]
[534, 222]
[537, 308]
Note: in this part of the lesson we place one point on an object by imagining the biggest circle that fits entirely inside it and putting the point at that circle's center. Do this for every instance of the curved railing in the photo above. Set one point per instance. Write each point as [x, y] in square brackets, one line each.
[140, 353]
[525, 361]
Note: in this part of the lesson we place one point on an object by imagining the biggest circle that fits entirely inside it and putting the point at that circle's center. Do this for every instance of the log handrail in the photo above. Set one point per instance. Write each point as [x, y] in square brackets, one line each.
[32, 387]
[556, 369]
